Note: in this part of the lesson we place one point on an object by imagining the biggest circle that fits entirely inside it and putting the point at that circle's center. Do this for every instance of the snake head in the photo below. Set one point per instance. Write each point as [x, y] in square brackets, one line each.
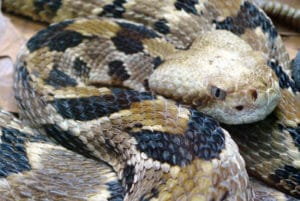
[222, 76]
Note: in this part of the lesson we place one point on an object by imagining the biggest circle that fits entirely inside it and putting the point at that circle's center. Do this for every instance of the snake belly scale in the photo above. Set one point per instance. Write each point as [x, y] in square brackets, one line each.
[121, 92]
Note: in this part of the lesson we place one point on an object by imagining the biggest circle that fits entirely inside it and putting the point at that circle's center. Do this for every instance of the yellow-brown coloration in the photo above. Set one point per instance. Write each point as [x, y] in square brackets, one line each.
[157, 115]
[90, 27]
[186, 59]
[287, 109]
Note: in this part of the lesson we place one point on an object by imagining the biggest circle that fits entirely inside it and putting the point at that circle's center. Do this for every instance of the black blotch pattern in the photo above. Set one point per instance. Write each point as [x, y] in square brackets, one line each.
[203, 139]
[117, 70]
[162, 26]
[24, 78]
[116, 191]
[248, 17]
[284, 80]
[296, 70]
[116, 9]
[295, 133]
[66, 139]
[128, 176]
[13, 156]
[187, 5]
[290, 174]
[129, 38]
[81, 68]
[88, 108]
[156, 62]
[63, 40]
[41, 39]
[49, 5]
[59, 79]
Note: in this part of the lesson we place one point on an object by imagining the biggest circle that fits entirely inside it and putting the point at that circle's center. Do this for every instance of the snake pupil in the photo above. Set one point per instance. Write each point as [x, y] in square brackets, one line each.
[218, 93]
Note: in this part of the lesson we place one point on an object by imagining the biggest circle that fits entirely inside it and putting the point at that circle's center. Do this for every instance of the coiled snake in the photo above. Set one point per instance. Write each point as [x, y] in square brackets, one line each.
[128, 93]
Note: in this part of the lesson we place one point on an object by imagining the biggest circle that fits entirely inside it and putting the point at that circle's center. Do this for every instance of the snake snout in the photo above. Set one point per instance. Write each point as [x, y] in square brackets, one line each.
[253, 95]
[244, 106]
[254, 105]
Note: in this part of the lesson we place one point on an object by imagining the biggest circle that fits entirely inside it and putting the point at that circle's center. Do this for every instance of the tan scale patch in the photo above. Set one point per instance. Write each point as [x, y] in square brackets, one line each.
[195, 178]
[78, 8]
[287, 109]
[228, 7]
[39, 64]
[159, 47]
[26, 7]
[82, 92]
[158, 115]
[257, 40]
[90, 27]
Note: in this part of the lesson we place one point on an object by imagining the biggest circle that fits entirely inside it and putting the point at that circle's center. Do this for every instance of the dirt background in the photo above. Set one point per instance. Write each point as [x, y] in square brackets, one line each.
[15, 31]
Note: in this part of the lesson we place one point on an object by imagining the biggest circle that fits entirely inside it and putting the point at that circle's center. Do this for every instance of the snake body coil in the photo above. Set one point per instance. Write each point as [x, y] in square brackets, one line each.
[125, 93]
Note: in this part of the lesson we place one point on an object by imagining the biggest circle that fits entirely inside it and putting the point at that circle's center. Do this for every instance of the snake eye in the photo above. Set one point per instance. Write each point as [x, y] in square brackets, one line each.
[218, 93]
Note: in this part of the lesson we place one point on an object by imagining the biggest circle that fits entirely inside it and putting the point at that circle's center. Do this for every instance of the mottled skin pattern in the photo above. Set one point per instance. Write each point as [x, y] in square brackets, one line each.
[282, 12]
[153, 147]
[44, 170]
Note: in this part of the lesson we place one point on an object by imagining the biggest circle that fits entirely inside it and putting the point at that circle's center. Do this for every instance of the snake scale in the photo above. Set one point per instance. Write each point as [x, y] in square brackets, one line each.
[120, 100]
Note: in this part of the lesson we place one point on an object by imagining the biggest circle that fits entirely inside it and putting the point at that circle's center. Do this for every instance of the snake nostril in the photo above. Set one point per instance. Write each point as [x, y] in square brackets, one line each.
[253, 94]
[239, 107]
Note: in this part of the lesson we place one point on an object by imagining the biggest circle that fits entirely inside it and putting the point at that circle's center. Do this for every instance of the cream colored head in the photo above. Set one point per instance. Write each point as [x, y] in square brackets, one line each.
[221, 76]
